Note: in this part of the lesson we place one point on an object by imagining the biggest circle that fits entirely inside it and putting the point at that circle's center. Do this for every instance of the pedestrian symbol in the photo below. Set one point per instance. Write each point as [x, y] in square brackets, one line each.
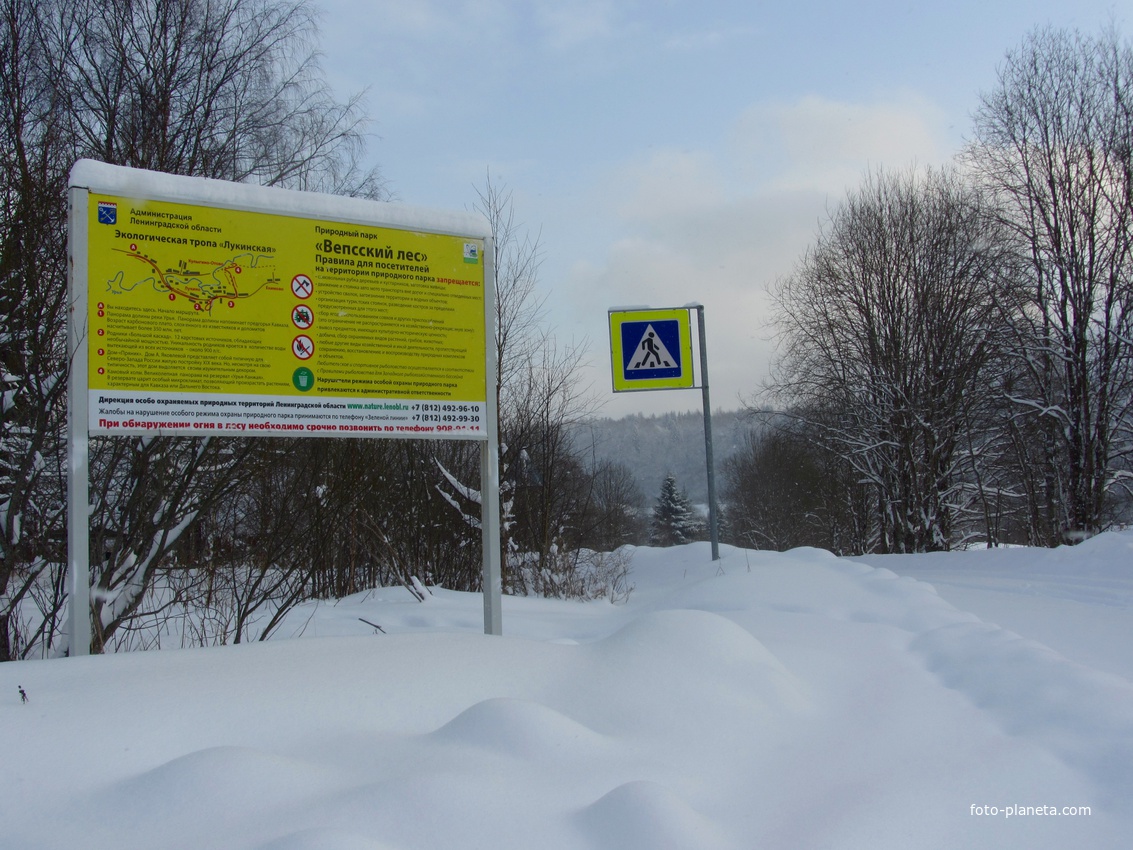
[651, 353]
[651, 349]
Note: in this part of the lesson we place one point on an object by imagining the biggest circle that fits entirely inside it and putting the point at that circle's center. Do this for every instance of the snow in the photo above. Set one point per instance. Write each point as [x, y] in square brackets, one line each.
[1070, 599]
[767, 700]
[138, 183]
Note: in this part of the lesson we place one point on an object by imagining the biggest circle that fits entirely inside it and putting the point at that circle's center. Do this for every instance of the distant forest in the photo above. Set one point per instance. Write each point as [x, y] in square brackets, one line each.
[655, 446]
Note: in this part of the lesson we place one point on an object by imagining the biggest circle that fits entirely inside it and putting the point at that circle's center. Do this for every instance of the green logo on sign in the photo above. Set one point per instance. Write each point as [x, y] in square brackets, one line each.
[303, 379]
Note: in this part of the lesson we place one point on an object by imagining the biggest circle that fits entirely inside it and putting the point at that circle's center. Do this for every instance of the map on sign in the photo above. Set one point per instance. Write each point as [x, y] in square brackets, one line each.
[200, 282]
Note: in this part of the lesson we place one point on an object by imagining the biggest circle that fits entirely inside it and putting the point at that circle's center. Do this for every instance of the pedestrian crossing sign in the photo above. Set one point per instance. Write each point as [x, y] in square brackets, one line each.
[651, 349]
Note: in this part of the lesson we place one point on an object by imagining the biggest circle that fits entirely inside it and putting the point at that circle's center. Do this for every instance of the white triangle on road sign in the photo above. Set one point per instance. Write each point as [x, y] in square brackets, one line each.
[651, 353]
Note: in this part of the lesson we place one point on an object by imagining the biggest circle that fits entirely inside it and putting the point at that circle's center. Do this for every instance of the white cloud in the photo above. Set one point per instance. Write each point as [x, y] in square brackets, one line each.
[826, 145]
[719, 227]
[669, 183]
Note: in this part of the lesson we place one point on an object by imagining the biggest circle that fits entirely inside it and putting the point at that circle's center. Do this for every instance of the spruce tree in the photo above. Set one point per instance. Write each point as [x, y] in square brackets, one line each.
[674, 520]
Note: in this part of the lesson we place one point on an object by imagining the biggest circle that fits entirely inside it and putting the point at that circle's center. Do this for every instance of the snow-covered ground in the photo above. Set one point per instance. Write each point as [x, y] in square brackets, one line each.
[765, 701]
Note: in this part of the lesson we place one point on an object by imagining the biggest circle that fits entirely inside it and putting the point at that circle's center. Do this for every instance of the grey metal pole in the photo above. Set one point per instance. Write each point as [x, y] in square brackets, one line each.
[713, 528]
[490, 520]
[78, 463]
[490, 536]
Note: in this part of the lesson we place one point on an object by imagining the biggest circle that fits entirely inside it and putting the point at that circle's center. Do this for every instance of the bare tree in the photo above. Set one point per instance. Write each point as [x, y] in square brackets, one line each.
[887, 327]
[784, 490]
[538, 395]
[147, 493]
[519, 308]
[34, 157]
[228, 89]
[216, 88]
[518, 331]
[1054, 142]
[550, 482]
[614, 512]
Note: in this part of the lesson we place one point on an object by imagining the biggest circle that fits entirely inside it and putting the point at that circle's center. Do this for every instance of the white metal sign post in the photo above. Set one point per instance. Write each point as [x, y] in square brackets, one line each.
[652, 350]
[207, 308]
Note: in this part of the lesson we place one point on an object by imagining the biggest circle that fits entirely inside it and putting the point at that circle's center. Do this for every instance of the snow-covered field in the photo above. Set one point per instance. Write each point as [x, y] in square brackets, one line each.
[765, 701]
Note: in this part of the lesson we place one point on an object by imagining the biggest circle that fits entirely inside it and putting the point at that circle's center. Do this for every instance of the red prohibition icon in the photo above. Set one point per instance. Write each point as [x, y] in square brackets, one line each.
[302, 286]
[302, 317]
[303, 347]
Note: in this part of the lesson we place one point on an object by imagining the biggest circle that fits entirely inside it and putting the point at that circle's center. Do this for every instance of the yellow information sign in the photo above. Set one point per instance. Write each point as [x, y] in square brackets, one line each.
[204, 307]
[279, 320]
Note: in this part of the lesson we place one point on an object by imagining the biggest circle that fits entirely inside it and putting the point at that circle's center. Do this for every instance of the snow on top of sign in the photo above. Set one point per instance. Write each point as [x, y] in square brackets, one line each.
[134, 182]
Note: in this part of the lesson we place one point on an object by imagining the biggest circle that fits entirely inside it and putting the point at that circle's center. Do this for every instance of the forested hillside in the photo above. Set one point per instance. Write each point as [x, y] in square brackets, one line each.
[665, 444]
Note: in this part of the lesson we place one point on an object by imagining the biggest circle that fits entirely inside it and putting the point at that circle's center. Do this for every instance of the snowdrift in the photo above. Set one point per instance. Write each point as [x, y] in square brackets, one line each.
[768, 700]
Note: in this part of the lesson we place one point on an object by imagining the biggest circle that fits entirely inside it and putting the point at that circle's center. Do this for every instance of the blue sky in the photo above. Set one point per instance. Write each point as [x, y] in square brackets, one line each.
[671, 151]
